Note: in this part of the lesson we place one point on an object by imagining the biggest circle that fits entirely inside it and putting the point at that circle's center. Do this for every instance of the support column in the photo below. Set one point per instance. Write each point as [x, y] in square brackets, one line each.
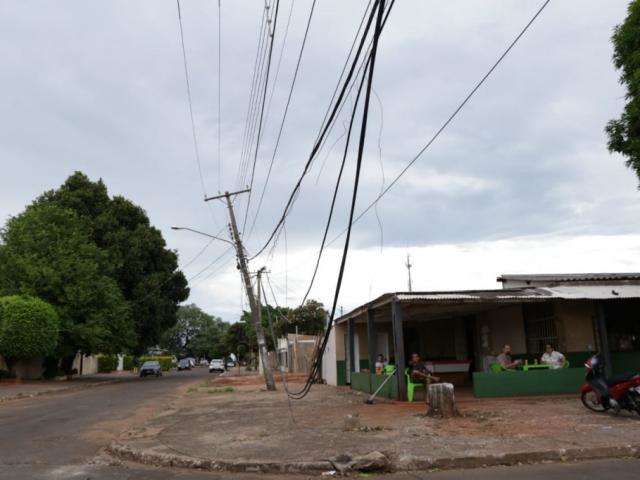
[372, 342]
[601, 322]
[350, 345]
[398, 348]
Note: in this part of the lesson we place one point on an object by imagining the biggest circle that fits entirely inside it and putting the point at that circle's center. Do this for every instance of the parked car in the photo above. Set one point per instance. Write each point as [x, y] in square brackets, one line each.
[204, 362]
[216, 365]
[152, 367]
[184, 364]
[231, 363]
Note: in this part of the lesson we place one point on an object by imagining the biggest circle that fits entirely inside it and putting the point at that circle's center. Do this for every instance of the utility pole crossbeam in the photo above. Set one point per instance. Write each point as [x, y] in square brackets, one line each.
[254, 305]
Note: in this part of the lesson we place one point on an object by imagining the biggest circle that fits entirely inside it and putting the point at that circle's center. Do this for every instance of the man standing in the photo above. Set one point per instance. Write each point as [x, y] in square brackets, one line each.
[552, 358]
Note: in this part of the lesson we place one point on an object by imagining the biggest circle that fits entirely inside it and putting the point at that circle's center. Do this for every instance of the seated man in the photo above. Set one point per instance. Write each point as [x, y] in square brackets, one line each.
[505, 360]
[418, 371]
[552, 358]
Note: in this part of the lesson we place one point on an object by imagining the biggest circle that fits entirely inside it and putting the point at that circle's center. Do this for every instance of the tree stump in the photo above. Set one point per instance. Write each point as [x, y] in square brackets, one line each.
[441, 399]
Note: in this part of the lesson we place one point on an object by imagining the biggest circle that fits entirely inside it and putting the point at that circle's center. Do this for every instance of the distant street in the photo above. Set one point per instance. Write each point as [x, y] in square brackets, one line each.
[61, 436]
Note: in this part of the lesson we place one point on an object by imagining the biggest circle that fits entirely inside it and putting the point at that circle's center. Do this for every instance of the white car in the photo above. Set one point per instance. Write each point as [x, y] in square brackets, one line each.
[216, 365]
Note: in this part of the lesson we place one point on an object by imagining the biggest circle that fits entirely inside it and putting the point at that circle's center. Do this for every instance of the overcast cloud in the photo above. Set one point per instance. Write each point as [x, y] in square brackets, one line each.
[520, 182]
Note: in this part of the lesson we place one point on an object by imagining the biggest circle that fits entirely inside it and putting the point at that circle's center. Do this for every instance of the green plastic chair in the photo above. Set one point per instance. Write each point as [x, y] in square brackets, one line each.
[565, 364]
[497, 368]
[411, 387]
[389, 369]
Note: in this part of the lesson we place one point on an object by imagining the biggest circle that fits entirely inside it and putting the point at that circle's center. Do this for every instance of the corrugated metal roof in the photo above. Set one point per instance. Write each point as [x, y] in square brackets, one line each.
[565, 292]
[568, 277]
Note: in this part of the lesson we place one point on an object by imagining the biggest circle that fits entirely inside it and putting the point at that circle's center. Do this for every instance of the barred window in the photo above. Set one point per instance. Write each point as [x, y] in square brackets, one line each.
[540, 326]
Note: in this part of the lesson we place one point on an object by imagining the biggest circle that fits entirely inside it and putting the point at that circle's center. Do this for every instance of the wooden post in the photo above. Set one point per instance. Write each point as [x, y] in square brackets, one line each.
[398, 348]
[604, 338]
[442, 401]
[372, 344]
[351, 367]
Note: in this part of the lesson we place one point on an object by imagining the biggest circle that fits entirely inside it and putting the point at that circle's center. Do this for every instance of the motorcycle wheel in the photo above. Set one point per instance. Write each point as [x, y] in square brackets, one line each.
[591, 401]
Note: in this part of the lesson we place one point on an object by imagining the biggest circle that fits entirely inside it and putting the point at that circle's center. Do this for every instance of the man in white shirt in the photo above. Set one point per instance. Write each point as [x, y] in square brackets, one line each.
[552, 358]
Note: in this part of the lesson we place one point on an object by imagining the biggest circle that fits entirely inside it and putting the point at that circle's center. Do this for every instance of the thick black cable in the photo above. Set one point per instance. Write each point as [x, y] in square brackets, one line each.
[449, 119]
[361, 143]
[319, 141]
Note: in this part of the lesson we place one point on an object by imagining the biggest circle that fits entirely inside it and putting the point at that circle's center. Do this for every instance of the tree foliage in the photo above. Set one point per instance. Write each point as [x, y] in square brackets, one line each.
[29, 327]
[196, 334]
[624, 132]
[47, 252]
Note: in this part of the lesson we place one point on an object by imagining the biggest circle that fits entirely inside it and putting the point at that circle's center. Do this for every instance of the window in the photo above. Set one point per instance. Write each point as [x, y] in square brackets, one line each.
[540, 326]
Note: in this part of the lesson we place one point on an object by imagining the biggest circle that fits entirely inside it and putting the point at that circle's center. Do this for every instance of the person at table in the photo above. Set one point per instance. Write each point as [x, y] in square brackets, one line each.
[552, 358]
[380, 364]
[418, 371]
[505, 359]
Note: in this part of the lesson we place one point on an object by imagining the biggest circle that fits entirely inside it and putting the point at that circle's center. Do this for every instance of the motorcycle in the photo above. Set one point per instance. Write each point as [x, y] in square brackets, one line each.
[600, 393]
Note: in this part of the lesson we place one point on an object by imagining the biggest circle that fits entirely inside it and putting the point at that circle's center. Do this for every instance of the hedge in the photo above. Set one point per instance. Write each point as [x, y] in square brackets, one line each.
[166, 362]
[29, 327]
[107, 363]
[129, 362]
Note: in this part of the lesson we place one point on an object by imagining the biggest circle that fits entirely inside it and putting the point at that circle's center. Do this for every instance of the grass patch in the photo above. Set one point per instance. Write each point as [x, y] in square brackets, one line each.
[220, 390]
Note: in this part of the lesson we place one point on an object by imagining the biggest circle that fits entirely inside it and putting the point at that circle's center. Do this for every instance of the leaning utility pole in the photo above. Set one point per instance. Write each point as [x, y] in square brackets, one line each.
[254, 305]
[408, 265]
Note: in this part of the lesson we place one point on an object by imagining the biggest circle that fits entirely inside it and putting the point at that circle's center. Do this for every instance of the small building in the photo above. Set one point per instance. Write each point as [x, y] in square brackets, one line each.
[461, 332]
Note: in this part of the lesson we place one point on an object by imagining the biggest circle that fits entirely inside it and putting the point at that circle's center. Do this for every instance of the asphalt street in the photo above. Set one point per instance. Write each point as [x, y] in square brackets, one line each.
[61, 437]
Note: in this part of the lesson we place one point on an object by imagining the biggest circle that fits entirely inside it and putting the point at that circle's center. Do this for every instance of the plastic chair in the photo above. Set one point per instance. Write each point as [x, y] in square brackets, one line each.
[411, 387]
[566, 363]
[497, 368]
[389, 369]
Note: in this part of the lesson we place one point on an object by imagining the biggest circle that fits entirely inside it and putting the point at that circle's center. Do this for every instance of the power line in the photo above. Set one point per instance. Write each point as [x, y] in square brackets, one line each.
[286, 110]
[449, 119]
[316, 146]
[191, 116]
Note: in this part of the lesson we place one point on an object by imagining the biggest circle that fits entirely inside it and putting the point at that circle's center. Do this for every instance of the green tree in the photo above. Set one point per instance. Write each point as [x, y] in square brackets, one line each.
[238, 340]
[144, 269]
[29, 328]
[310, 318]
[196, 334]
[47, 252]
[624, 132]
[280, 319]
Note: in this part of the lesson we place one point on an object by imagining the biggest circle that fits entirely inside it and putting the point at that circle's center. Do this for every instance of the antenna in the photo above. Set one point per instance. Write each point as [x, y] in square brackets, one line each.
[408, 265]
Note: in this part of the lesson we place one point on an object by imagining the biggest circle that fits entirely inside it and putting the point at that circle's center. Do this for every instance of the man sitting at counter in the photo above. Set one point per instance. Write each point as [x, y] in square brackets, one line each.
[552, 358]
[505, 360]
[419, 372]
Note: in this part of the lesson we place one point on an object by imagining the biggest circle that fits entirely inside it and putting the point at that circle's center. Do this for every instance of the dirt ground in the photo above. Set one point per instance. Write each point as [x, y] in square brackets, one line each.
[234, 418]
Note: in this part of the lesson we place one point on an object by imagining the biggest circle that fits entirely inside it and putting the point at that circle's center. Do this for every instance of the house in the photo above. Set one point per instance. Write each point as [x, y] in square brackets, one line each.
[461, 332]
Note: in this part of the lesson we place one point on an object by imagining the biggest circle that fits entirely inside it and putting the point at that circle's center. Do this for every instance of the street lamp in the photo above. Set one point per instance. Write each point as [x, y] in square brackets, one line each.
[205, 234]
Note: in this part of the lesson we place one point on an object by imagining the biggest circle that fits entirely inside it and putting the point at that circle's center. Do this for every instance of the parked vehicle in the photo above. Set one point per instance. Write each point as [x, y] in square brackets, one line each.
[152, 367]
[204, 362]
[216, 365]
[600, 393]
[184, 364]
[231, 363]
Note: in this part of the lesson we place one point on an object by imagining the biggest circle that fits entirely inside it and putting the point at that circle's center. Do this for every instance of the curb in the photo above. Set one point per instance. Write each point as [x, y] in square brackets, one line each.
[73, 388]
[404, 463]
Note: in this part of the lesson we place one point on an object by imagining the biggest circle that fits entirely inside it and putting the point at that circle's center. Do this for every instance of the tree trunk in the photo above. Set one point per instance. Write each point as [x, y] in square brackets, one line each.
[441, 399]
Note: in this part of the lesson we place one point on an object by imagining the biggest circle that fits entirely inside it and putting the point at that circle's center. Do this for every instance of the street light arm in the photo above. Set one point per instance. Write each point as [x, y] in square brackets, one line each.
[205, 234]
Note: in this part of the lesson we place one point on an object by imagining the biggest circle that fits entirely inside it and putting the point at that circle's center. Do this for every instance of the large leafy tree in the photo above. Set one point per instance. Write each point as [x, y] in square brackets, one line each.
[47, 252]
[144, 269]
[624, 132]
[310, 318]
[196, 334]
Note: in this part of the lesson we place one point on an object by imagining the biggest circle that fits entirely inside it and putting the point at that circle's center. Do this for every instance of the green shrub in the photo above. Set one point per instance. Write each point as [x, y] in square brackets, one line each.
[28, 327]
[129, 362]
[107, 363]
[166, 362]
[5, 374]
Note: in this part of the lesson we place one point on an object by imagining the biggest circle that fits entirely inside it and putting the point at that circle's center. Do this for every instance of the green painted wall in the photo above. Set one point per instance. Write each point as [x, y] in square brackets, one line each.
[368, 383]
[533, 382]
[625, 362]
[341, 370]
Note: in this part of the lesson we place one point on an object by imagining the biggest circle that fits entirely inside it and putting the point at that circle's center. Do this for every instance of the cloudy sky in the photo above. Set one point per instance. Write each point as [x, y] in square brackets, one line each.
[520, 182]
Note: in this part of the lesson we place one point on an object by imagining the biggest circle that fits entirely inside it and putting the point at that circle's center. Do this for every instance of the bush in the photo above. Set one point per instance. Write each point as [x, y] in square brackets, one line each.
[107, 363]
[166, 362]
[28, 327]
[5, 374]
[129, 362]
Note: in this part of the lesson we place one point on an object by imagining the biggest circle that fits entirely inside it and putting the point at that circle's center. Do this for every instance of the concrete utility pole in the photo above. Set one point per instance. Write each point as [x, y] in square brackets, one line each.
[408, 265]
[254, 305]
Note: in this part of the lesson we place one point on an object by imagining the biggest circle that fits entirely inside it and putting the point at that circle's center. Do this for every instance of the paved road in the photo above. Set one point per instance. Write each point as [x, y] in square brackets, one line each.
[60, 437]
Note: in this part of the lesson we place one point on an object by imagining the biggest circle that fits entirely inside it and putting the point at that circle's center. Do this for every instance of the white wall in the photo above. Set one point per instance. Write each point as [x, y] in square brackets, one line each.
[329, 369]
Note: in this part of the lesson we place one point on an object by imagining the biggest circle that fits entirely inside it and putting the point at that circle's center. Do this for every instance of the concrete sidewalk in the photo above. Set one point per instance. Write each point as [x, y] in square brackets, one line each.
[15, 390]
[231, 423]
